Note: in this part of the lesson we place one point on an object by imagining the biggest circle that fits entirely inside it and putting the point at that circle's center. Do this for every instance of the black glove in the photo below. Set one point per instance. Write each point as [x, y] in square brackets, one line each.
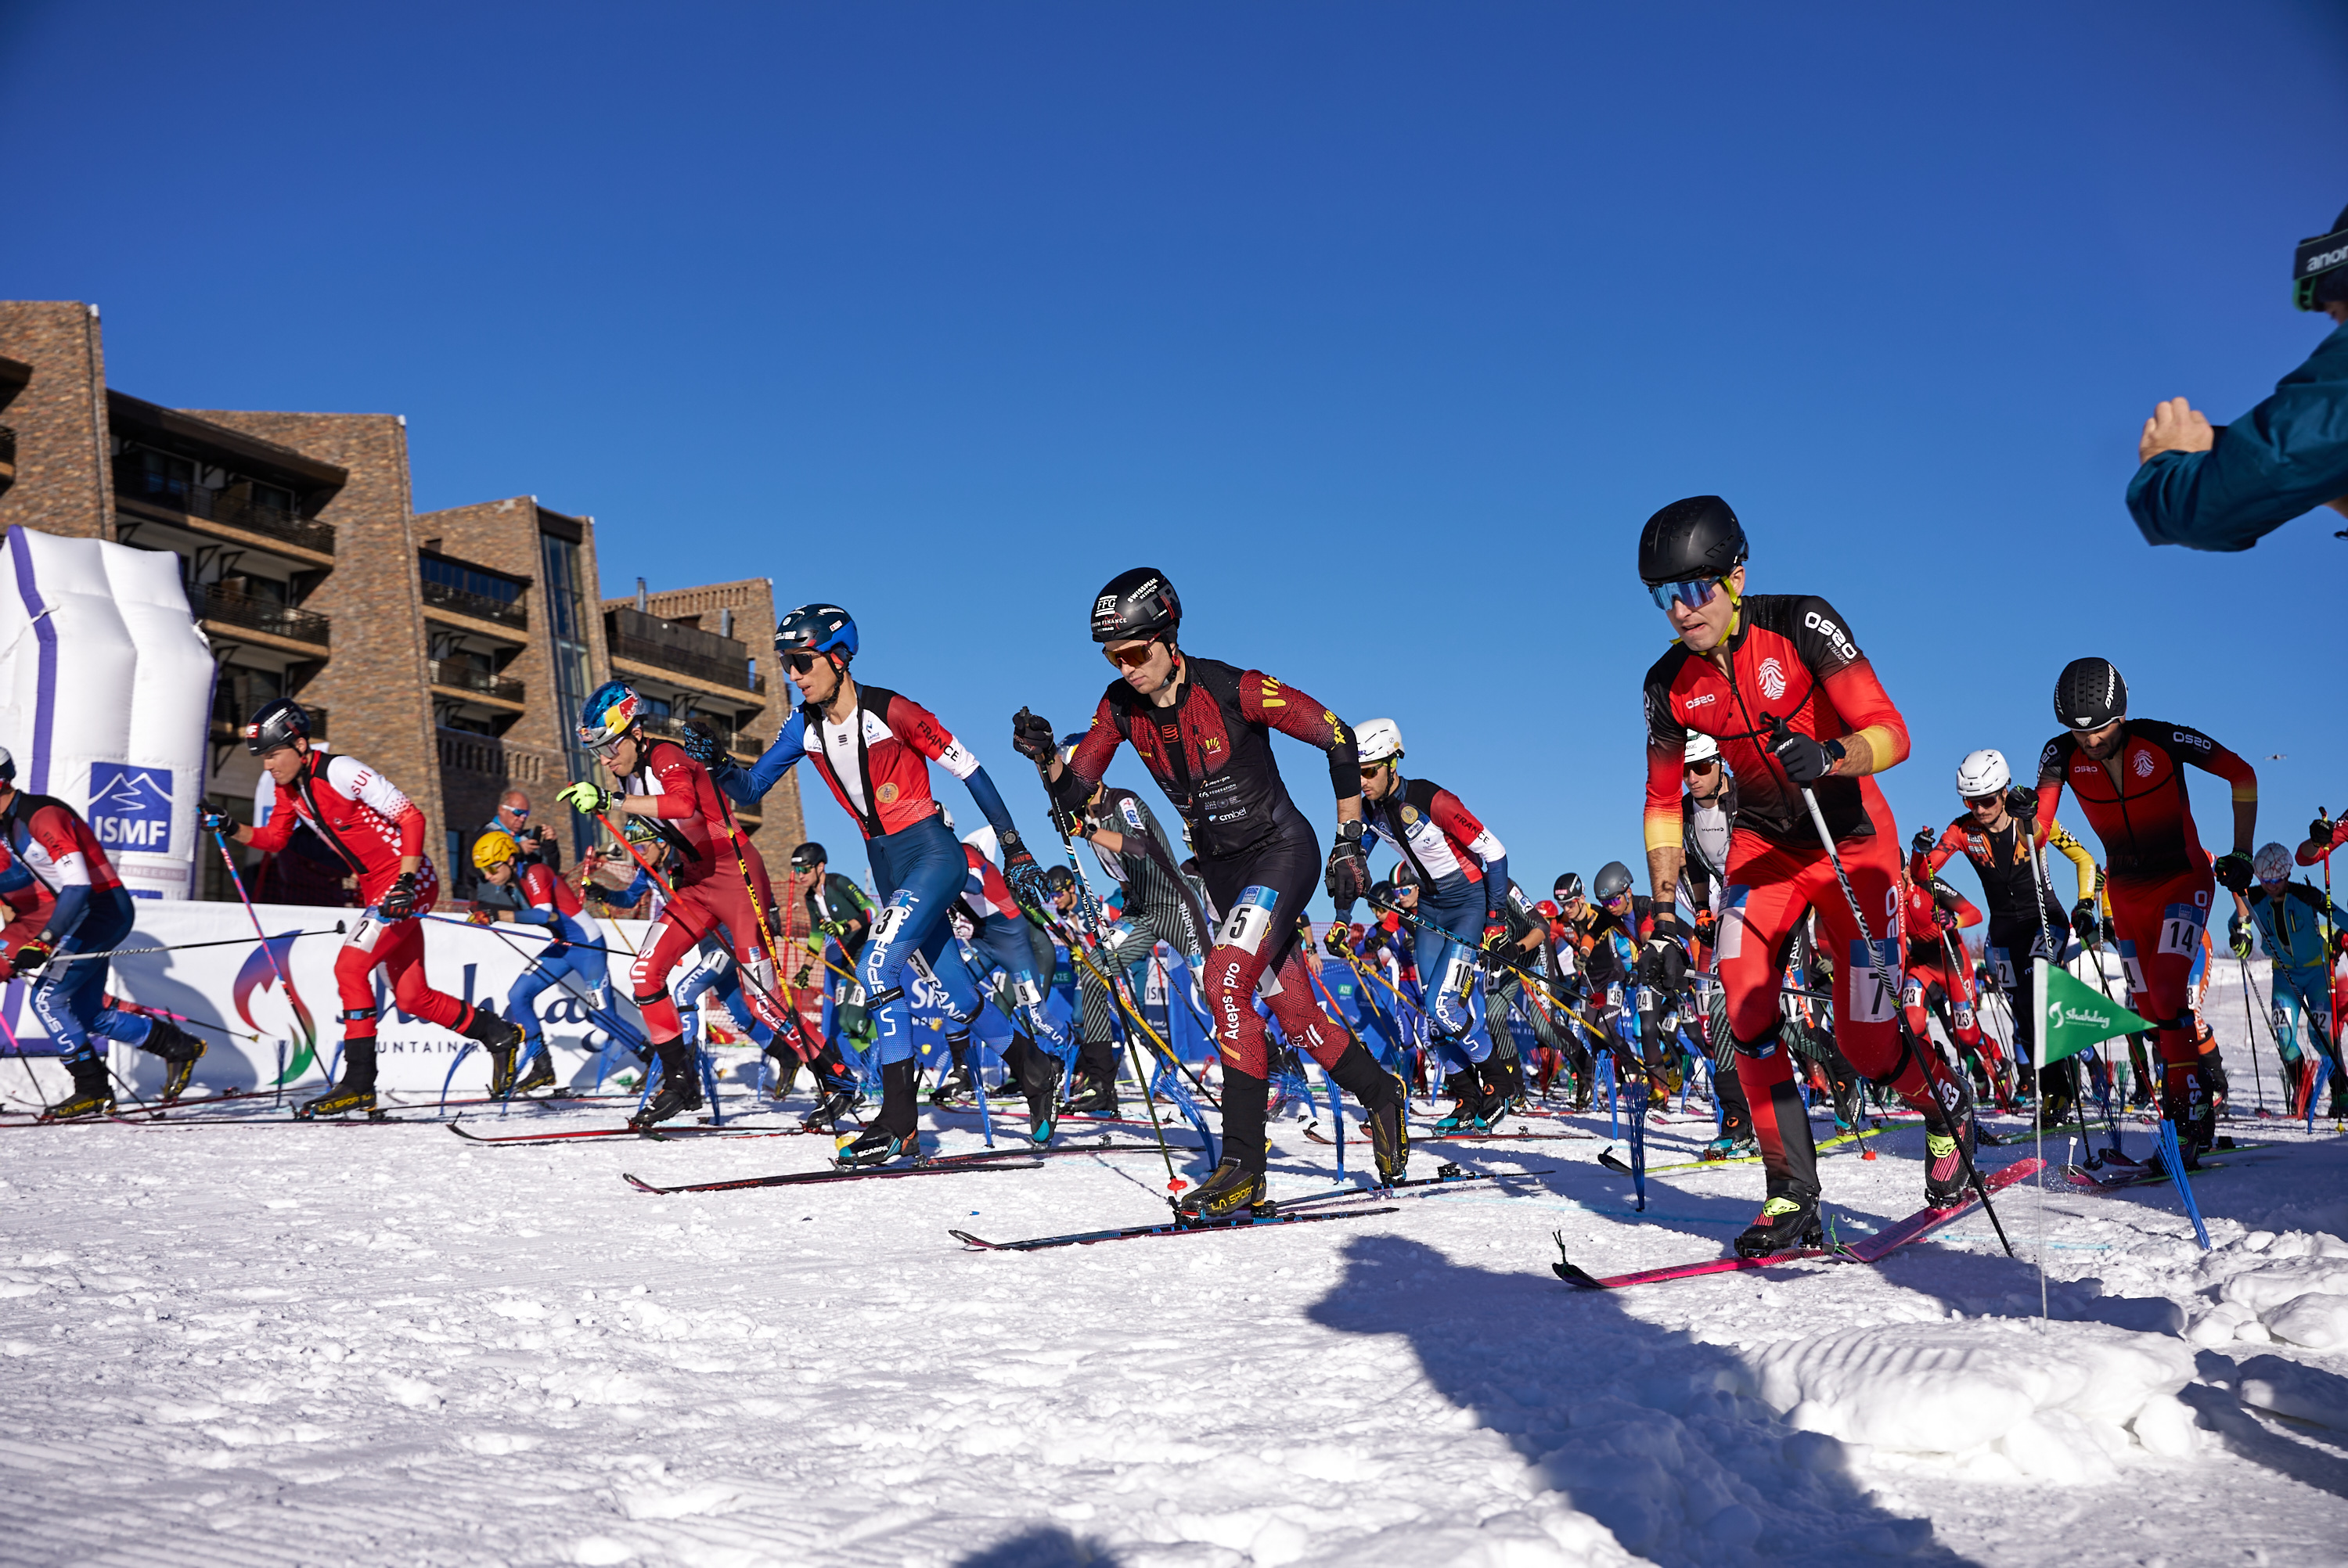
[702, 744]
[1333, 942]
[2237, 936]
[1663, 966]
[1348, 877]
[2085, 920]
[2233, 869]
[2320, 829]
[216, 822]
[1496, 933]
[1805, 758]
[1924, 841]
[2022, 801]
[33, 956]
[400, 901]
[1031, 737]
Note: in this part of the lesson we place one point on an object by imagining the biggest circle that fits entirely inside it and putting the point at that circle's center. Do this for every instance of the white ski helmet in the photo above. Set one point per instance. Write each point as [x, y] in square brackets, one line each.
[1379, 741]
[1700, 748]
[2271, 864]
[1983, 772]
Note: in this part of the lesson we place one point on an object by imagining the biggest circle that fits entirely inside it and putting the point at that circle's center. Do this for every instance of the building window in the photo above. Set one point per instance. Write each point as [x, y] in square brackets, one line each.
[566, 632]
[466, 579]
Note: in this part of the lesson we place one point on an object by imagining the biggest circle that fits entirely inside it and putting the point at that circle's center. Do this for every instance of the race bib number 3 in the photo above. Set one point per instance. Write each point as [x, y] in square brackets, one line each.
[1250, 919]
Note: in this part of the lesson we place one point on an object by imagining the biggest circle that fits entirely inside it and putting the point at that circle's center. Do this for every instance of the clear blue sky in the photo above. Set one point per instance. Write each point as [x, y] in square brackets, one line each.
[1380, 328]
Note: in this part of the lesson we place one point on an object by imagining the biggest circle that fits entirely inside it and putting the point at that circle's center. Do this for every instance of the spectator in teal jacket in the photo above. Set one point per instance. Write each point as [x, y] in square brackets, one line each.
[2224, 489]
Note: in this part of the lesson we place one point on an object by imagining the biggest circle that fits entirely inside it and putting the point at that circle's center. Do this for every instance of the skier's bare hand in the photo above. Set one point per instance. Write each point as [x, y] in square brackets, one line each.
[2174, 426]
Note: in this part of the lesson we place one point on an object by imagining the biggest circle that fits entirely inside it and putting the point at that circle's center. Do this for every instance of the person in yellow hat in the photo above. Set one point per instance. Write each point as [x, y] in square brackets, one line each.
[544, 900]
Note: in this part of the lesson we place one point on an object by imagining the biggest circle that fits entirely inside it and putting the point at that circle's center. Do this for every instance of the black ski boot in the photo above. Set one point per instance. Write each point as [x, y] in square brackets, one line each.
[1788, 1221]
[540, 1073]
[499, 1038]
[895, 1132]
[1467, 1110]
[354, 1092]
[1382, 1099]
[180, 1052]
[1503, 1080]
[957, 1087]
[1948, 1140]
[785, 1074]
[1037, 1073]
[680, 1086]
[2185, 1100]
[2058, 1105]
[1095, 1095]
[93, 1094]
[1233, 1189]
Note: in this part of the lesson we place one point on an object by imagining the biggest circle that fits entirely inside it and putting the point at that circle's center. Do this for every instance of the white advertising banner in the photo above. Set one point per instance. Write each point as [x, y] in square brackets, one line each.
[288, 1029]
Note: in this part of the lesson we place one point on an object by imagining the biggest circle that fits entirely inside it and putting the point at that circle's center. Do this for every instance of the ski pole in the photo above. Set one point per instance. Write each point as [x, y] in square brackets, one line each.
[2251, 1035]
[1481, 957]
[547, 937]
[180, 947]
[237, 879]
[1925, 1061]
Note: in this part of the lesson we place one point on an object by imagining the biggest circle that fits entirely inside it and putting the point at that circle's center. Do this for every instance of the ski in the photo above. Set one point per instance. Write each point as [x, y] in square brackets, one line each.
[812, 1178]
[1165, 1227]
[2105, 1178]
[183, 1123]
[1874, 1249]
[1606, 1156]
[1499, 1137]
[1445, 1176]
[658, 1131]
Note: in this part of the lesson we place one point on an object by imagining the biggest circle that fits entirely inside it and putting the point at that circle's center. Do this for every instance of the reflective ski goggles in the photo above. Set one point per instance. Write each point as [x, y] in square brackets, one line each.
[1692, 594]
[1130, 655]
[800, 664]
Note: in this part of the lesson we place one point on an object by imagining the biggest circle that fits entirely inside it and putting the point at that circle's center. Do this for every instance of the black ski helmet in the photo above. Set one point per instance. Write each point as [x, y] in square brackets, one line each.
[817, 628]
[1696, 538]
[1568, 885]
[279, 721]
[7, 767]
[1613, 879]
[2090, 694]
[2319, 268]
[808, 857]
[1059, 878]
[1136, 603]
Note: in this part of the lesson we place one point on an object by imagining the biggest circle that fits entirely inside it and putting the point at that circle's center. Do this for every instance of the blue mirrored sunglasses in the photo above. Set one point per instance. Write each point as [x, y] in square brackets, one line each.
[1692, 594]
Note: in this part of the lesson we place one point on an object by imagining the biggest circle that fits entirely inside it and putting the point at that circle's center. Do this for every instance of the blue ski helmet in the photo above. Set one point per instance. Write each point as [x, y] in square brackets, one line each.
[817, 628]
[611, 711]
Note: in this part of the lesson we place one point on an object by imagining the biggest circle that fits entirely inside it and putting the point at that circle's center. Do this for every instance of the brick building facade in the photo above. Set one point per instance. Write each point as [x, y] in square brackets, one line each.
[450, 650]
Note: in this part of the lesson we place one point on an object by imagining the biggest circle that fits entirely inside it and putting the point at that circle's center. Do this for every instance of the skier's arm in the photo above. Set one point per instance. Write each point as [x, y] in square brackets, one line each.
[537, 906]
[273, 835]
[358, 782]
[54, 832]
[1461, 823]
[2083, 863]
[749, 785]
[1292, 712]
[2050, 762]
[2282, 459]
[2210, 757]
[920, 729]
[1925, 863]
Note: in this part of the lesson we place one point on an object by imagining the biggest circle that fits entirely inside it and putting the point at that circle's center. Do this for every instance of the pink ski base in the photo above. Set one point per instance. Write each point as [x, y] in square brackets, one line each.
[1872, 1250]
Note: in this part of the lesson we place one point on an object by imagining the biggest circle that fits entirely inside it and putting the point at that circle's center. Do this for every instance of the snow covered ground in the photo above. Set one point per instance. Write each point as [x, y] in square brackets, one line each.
[290, 1344]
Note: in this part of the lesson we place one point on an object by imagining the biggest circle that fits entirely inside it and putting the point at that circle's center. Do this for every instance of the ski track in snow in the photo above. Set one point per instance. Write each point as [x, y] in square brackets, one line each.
[319, 1344]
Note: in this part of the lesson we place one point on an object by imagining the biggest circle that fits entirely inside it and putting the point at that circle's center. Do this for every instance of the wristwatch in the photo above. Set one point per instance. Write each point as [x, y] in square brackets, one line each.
[1350, 832]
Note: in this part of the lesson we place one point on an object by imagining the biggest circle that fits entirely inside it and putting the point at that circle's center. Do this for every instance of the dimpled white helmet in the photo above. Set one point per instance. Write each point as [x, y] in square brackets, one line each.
[2271, 864]
[1983, 772]
[1378, 740]
[1701, 748]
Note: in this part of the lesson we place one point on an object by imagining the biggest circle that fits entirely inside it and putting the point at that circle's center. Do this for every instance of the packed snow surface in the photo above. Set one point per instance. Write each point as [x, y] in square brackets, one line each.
[279, 1344]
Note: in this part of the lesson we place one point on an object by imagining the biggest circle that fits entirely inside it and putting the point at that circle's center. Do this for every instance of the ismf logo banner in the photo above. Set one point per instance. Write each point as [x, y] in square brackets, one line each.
[130, 807]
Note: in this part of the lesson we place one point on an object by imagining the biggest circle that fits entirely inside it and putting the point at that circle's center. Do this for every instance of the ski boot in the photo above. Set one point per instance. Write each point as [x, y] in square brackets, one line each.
[180, 1051]
[895, 1132]
[1948, 1146]
[1730, 1146]
[1039, 1080]
[839, 1096]
[1468, 1112]
[1095, 1097]
[1788, 1221]
[354, 1092]
[501, 1039]
[2185, 1103]
[539, 1074]
[1229, 1191]
[784, 1076]
[956, 1088]
[2058, 1103]
[1389, 1140]
[679, 1090]
[92, 1095]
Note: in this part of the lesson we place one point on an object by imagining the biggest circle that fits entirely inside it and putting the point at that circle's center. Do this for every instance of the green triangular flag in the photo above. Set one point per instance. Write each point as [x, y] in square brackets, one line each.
[2073, 1017]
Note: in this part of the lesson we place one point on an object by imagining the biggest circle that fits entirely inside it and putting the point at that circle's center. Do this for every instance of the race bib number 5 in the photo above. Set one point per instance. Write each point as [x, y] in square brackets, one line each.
[1250, 919]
